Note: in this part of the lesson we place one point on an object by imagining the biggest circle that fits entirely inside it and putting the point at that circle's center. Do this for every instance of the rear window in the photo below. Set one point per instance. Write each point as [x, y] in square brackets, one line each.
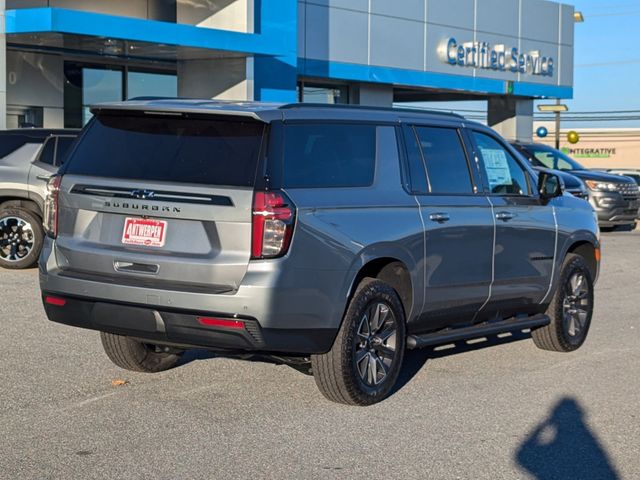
[329, 155]
[64, 143]
[11, 143]
[176, 149]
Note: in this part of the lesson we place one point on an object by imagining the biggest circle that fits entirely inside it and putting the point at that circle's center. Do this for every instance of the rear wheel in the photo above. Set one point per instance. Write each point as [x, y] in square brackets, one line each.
[364, 363]
[21, 237]
[135, 355]
[570, 310]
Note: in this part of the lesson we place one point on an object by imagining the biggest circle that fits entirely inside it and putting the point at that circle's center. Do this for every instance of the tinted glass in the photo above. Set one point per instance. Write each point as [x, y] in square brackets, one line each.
[188, 150]
[48, 150]
[417, 172]
[329, 155]
[552, 158]
[11, 143]
[504, 174]
[446, 162]
[63, 149]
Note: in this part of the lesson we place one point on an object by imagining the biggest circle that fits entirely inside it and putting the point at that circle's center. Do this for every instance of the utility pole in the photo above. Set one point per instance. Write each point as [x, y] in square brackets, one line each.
[558, 124]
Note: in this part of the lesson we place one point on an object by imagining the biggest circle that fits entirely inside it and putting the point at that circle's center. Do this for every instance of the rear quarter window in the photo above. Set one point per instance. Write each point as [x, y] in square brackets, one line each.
[11, 143]
[329, 155]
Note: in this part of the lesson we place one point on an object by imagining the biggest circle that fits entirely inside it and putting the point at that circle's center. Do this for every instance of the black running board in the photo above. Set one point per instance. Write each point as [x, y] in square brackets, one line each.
[476, 331]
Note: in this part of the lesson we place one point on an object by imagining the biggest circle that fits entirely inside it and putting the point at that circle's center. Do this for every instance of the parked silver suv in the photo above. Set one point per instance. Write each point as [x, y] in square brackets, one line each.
[337, 236]
[28, 157]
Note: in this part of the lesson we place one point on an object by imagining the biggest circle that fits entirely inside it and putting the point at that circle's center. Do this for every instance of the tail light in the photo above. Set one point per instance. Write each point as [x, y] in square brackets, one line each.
[273, 221]
[50, 221]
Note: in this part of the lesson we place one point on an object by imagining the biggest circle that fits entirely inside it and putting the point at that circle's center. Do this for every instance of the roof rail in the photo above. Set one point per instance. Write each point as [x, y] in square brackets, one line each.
[291, 106]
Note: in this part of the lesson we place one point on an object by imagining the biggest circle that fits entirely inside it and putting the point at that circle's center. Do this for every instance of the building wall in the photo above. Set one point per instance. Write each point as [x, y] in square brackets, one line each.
[602, 148]
[409, 34]
[35, 80]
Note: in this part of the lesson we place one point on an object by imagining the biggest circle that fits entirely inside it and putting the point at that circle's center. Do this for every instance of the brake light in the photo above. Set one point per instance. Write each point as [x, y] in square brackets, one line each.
[221, 323]
[273, 221]
[55, 301]
[50, 220]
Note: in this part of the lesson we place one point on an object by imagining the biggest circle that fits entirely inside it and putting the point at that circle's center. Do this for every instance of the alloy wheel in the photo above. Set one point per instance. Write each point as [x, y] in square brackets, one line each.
[576, 306]
[375, 346]
[16, 239]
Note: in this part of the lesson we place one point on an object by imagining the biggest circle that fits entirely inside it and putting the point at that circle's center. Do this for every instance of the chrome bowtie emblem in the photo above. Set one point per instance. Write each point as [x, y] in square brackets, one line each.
[142, 194]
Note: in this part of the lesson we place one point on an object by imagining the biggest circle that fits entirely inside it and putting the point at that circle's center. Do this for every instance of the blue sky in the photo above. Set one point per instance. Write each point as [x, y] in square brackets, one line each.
[607, 56]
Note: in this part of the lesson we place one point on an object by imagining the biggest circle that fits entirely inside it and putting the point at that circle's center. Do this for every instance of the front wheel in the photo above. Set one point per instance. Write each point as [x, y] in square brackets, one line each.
[137, 356]
[363, 365]
[570, 310]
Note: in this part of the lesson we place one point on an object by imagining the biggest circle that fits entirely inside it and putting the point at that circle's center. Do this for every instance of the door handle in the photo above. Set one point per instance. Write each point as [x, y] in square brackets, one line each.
[504, 216]
[439, 217]
[46, 178]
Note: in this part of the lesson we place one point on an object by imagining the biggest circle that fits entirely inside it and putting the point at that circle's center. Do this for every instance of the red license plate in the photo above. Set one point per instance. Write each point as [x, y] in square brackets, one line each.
[144, 231]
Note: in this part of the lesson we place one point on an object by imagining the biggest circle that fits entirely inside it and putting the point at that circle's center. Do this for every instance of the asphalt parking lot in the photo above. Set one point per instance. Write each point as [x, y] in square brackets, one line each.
[511, 411]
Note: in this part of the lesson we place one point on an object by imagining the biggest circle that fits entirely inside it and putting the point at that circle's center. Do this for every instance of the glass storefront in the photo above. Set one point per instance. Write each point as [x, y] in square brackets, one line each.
[330, 94]
[86, 85]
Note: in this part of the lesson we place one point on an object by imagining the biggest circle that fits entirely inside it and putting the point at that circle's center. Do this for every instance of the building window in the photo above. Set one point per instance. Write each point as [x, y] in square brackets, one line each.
[145, 84]
[330, 94]
[86, 85]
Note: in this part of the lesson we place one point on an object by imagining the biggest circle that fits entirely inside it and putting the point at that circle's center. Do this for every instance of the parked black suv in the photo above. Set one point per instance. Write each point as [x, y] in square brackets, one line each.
[616, 199]
[329, 237]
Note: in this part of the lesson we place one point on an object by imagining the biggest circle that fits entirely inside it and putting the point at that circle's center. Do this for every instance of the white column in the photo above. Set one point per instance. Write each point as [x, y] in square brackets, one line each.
[371, 95]
[511, 117]
[3, 67]
[222, 79]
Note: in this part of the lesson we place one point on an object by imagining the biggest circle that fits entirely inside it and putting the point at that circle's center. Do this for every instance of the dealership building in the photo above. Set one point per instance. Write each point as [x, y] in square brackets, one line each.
[60, 56]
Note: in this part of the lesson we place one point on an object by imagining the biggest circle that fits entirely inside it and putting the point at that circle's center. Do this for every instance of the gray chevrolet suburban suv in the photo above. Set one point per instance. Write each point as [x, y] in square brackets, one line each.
[333, 237]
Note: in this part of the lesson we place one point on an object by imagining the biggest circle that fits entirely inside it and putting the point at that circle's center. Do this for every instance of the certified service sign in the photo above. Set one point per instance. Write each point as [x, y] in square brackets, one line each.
[495, 57]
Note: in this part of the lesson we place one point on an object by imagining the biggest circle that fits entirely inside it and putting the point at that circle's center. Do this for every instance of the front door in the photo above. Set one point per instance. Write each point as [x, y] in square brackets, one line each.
[525, 242]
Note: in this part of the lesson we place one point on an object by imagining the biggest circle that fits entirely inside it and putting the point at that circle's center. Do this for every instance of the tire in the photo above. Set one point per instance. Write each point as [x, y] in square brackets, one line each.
[21, 238]
[136, 356]
[570, 310]
[363, 365]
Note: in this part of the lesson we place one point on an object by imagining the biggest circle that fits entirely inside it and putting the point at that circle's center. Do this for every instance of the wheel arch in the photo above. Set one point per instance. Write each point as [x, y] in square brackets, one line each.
[21, 202]
[587, 251]
[397, 269]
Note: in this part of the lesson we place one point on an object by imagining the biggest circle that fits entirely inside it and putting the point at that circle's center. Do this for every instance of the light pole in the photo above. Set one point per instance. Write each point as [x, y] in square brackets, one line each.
[556, 108]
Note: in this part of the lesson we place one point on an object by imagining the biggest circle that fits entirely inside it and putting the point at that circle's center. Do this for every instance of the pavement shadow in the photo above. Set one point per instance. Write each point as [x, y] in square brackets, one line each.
[414, 360]
[562, 446]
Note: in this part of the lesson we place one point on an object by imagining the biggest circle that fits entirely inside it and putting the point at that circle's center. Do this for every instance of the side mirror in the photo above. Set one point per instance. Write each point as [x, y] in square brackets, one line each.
[550, 185]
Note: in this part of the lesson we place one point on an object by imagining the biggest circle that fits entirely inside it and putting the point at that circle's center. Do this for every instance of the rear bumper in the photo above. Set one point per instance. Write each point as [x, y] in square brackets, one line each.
[297, 311]
[183, 328]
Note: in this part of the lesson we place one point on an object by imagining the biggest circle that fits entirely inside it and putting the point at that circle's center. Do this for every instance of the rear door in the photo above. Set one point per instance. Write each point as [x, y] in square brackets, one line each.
[525, 229]
[458, 225]
[160, 201]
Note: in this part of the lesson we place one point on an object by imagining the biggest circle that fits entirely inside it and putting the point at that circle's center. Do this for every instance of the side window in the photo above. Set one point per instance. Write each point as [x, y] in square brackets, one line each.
[415, 163]
[63, 148]
[445, 160]
[503, 172]
[329, 155]
[552, 161]
[48, 151]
